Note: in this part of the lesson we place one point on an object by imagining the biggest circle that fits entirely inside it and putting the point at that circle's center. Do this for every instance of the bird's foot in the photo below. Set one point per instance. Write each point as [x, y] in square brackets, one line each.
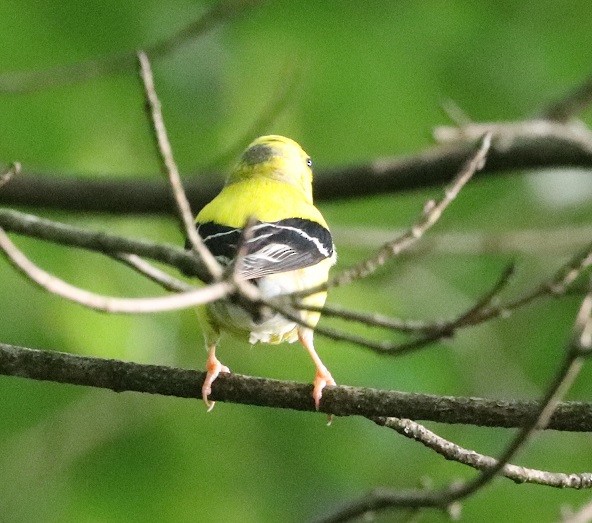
[322, 379]
[214, 368]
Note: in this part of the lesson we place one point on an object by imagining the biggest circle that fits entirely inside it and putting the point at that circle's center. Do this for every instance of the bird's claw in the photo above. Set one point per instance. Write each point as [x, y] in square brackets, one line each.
[322, 379]
[214, 368]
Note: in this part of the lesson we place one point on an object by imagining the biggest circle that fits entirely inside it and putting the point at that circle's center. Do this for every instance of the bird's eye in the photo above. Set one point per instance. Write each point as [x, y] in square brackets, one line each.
[309, 162]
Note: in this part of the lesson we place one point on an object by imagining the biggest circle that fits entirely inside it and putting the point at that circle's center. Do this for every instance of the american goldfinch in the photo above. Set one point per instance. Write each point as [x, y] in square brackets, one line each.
[290, 249]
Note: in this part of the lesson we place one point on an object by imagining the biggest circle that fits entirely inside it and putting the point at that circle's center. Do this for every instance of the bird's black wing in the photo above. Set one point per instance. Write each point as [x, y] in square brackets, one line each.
[273, 247]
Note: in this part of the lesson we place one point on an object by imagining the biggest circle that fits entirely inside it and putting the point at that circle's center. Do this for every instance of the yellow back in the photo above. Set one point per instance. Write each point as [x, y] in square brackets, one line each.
[265, 199]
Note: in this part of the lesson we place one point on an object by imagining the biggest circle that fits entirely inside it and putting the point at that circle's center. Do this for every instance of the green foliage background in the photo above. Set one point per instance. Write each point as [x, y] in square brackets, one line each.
[371, 78]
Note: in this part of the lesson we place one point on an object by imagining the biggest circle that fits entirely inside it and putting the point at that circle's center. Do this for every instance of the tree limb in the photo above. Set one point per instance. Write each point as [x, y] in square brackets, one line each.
[431, 167]
[122, 376]
[99, 241]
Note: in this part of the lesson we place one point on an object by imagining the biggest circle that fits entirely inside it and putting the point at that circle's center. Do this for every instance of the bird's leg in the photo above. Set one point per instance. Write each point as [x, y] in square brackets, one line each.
[213, 367]
[323, 376]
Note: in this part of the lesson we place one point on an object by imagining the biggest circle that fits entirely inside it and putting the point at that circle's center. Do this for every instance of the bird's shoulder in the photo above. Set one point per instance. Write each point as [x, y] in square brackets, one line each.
[263, 199]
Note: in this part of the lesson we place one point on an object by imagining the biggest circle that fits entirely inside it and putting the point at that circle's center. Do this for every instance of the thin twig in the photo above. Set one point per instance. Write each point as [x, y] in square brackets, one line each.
[163, 279]
[484, 310]
[111, 304]
[557, 285]
[6, 176]
[31, 81]
[444, 328]
[371, 319]
[430, 215]
[481, 312]
[288, 81]
[100, 241]
[452, 451]
[571, 104]
[242, 248]
[166, 155]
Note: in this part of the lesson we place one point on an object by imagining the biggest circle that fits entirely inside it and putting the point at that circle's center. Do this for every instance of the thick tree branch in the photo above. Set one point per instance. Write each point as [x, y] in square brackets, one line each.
[342, 400]
[434, 166]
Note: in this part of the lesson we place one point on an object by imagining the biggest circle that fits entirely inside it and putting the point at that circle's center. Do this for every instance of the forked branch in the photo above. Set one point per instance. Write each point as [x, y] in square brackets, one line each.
[579, 347]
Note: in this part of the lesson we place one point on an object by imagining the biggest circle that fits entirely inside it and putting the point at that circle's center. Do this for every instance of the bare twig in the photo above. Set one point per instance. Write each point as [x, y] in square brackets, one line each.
[440, 328]
[557, 285]
[99, 302]
[284, 92]
[583, 515]
[480, 312]
[571, 104]
[451, 451]
[99, 241]
[484, 310]
[31, 81]
[170, 166]
[163, 279]
[371, 319]
[7, 175]
[341, 400]
[431, 214]
[242, 247]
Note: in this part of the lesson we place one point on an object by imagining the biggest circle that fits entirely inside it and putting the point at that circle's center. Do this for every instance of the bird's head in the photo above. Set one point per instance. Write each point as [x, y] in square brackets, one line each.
[277, 158]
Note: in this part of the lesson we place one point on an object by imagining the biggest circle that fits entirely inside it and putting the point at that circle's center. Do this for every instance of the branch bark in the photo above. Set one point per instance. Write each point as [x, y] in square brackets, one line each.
[123, 376]
[98, 241]
[431, 167]
[452, 451]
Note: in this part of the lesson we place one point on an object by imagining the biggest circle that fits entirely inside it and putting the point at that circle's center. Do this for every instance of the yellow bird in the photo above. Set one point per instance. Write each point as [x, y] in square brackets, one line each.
[290, 249]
